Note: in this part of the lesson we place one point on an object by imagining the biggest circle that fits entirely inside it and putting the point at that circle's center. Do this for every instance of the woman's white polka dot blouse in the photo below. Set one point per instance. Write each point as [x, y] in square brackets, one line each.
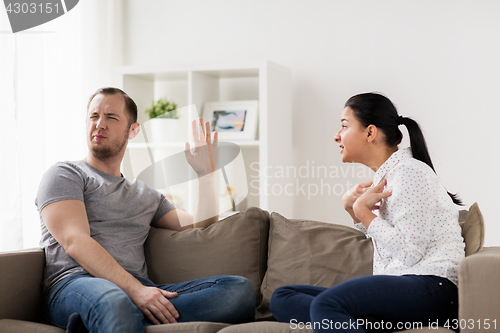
[416, 230]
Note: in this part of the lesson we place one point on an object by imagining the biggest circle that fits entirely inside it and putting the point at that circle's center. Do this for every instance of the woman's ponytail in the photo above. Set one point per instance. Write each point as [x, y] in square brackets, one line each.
[417, 142]
[419, 148]
[376, 109]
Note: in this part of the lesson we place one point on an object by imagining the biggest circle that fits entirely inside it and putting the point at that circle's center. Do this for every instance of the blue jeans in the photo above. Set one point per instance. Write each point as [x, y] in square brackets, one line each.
[376, 302]
[104, 307]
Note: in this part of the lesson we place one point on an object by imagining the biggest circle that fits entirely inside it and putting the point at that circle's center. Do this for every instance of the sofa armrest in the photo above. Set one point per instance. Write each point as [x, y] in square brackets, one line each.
[479, 291]
[21, 274]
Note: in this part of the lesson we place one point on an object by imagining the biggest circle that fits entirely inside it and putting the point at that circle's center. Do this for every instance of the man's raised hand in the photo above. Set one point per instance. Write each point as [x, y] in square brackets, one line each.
[205, 155]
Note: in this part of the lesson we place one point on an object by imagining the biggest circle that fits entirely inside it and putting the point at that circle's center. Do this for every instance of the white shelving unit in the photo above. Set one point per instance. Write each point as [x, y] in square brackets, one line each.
[189, 86]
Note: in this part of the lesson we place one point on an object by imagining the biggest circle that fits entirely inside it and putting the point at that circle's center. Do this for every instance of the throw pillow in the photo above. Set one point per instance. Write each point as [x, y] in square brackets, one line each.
[312, 253]
[473, 230]
[236, 245]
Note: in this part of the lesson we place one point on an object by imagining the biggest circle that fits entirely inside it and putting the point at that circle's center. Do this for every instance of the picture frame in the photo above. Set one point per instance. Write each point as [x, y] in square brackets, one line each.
[233, 120]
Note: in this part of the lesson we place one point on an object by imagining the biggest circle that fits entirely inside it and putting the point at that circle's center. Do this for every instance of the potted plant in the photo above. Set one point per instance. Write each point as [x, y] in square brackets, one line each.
[163, 116]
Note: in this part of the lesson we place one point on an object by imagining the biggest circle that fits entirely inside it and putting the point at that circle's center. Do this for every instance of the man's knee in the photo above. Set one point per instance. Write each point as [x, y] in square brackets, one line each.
[116, 301]
[241, 296]
[242, 288]
[104, 304]
[114, 308]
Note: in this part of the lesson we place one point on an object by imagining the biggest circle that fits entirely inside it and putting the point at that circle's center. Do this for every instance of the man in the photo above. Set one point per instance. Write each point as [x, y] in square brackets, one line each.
[94, 225]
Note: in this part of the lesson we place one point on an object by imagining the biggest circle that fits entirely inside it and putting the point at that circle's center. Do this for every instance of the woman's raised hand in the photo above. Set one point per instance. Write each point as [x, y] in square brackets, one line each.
[354, 193]
[350, 197]
[369, 201]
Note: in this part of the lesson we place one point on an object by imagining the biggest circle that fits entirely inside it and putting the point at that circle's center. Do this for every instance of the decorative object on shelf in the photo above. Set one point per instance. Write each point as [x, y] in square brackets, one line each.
[231, 191]
[238, 202]
[163, 120]
[234, 120]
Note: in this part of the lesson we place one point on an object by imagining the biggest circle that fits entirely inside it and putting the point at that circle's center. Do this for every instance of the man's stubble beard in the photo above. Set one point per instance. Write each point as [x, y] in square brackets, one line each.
[106, 153]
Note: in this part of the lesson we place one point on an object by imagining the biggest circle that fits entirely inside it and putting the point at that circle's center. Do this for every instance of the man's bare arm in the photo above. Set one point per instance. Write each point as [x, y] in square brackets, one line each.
[68, 223]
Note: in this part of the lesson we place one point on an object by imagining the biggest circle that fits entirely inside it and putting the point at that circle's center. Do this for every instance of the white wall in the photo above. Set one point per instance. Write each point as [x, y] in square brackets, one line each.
[438, 61]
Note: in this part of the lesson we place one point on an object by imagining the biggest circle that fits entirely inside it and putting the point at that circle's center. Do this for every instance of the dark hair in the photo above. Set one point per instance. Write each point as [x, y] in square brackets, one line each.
[376, 109]
[130, 105]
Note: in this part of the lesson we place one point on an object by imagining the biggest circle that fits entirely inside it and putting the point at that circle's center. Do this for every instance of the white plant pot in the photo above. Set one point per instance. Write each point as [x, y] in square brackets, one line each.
[163, 130]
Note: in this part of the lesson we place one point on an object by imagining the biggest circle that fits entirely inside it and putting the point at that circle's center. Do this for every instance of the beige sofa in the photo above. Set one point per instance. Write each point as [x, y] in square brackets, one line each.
[271, 251]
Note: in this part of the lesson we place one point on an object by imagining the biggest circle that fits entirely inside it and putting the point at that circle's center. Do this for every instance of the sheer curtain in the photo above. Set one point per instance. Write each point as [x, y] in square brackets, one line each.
[46, 76]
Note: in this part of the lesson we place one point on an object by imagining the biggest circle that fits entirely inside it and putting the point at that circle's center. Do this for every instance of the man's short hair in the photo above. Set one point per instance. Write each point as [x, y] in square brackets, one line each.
[130, 105]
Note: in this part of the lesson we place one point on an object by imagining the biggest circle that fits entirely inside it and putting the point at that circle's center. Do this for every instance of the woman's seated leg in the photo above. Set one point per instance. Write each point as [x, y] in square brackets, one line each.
[397, 302]
[291, 303]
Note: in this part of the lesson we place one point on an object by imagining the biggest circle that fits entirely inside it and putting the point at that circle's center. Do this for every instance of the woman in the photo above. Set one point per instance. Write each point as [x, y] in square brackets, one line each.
[412, 221]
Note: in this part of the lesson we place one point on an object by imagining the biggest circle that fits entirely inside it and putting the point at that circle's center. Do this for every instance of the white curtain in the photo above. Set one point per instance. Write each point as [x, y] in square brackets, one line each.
[46, 76]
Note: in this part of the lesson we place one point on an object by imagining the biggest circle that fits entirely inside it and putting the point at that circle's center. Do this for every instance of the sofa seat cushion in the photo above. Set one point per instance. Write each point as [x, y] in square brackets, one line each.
[275, 327]
[428, 329]
[236, 245]
[312, 253]
[192, 327]
[21, 326]
[265, 326]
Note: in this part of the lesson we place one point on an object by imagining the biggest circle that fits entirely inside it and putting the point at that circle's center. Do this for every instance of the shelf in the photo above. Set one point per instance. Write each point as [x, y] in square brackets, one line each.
[255, 143]
[220, 70]
[192, 86]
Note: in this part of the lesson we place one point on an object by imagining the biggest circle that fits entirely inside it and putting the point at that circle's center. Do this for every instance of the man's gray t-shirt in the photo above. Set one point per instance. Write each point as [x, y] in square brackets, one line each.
[120, 213]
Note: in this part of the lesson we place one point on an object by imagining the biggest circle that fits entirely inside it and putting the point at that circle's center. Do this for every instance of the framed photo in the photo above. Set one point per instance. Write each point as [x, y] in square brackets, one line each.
[234, 120]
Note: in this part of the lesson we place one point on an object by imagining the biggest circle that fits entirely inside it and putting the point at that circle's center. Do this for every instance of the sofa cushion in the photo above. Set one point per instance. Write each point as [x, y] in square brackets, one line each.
[267, 326]
[275, 327]
[21, 275]
[472, 224]
[20, 326]
[191, 327]
[236, 245]
[312, 253]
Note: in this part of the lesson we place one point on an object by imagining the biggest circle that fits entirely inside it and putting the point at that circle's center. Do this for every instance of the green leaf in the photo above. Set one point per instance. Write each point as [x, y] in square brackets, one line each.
[163, 108]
